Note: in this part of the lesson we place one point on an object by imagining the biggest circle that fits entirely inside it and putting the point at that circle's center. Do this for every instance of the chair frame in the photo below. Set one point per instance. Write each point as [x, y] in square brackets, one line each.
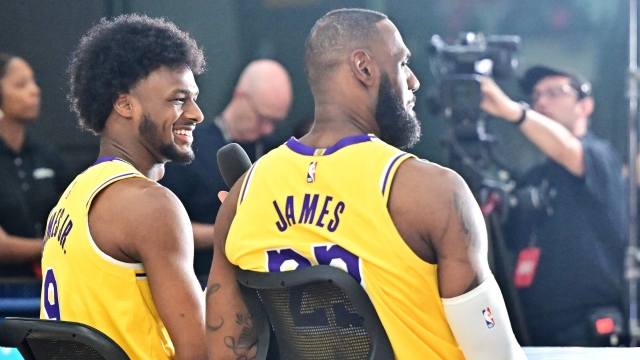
[14, 332]
[251, 281]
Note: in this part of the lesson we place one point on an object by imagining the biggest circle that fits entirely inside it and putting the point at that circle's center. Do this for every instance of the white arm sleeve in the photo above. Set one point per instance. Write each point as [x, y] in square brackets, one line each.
[480, 324]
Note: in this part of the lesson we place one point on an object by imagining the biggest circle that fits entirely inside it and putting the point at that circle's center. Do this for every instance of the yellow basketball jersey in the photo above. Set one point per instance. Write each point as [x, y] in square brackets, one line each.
[301, 206]
[83, 284]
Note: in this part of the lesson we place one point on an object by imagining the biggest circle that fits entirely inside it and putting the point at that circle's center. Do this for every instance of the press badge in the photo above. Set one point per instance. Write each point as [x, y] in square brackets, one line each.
[526, 267]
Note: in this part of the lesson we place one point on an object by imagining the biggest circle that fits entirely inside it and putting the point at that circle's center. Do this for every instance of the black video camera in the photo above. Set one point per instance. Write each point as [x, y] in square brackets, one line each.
[459, 67]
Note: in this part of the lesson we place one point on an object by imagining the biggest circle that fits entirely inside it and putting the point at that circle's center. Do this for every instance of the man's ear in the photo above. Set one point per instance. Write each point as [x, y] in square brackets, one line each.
[363, 67]
[586, 106]
[123, 105]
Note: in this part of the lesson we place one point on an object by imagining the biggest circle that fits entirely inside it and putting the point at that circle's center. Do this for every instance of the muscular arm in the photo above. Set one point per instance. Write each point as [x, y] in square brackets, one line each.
[19, 250]
[230, 331]
[553, 139]
[134, 220]
[441, 222]
[438, 217]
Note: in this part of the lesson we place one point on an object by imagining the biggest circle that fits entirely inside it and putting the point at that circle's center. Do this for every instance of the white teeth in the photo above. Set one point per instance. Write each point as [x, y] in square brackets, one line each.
[183, 132]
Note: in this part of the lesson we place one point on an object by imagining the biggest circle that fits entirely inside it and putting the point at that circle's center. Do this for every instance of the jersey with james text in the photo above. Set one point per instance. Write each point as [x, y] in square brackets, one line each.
[301, 206]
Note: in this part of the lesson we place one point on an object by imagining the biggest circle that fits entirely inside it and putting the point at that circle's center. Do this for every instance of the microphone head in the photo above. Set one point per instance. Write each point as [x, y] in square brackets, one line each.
[232, 162]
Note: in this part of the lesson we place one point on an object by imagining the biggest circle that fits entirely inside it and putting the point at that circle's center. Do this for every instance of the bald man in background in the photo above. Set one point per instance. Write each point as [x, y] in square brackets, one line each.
[260, 101]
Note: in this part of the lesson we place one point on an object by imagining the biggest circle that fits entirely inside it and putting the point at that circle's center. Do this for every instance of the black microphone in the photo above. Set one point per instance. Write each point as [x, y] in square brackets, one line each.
[233, 161]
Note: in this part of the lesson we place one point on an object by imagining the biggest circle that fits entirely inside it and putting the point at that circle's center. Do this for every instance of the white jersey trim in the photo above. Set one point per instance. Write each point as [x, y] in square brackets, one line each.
[384, 177]
[109, 259]
[245, 190]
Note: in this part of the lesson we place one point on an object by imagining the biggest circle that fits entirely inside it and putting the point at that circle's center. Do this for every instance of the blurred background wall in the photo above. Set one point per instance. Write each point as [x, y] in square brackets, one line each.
[589, 36]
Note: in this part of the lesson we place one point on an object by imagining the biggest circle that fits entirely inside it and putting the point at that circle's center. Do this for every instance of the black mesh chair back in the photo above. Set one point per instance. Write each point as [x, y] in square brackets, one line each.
[58, 340]
[319, 312]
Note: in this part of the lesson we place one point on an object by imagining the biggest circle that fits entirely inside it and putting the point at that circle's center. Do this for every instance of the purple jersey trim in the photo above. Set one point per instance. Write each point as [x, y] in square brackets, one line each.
[386, 176]
[303, 149]
[246, 185]
[105, 159]
[105, 182]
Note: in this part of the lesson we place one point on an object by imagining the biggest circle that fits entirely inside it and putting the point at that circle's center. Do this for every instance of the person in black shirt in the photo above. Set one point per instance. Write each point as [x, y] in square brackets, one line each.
[32, 175]
[578, 232]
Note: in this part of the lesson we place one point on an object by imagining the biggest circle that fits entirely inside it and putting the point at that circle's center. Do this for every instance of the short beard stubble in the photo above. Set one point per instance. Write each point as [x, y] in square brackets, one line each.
[149, 131]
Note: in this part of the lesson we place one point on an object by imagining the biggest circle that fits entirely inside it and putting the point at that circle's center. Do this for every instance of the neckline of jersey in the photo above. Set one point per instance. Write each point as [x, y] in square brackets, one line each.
[107, 158]
[296, 146]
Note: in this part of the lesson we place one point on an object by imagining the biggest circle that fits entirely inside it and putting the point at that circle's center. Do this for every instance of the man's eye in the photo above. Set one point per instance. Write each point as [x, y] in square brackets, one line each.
[179, 100]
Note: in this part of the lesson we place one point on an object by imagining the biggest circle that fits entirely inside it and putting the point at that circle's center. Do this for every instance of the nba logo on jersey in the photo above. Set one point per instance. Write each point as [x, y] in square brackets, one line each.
[488, 318]
[311, 173]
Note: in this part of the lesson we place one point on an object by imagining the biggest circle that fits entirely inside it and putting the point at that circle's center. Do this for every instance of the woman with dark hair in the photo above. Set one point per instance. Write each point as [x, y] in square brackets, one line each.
[32, 176]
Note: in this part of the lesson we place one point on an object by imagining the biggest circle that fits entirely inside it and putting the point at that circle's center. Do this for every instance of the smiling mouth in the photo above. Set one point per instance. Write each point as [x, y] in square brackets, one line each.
[185, 135]
[183, 132]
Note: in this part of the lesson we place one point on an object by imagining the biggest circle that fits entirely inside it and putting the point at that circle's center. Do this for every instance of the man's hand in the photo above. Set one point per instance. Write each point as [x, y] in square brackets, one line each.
[18, 250]
[495, 102]
[203, 233]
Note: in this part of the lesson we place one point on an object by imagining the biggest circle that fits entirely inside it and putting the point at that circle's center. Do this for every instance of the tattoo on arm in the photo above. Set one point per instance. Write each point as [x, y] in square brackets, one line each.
[210, 290]
[247, 339]
[214, 328]
[462, 207]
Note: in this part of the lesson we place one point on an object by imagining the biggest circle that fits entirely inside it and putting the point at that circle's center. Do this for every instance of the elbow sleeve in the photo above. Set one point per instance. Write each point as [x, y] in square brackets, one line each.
[480, 324]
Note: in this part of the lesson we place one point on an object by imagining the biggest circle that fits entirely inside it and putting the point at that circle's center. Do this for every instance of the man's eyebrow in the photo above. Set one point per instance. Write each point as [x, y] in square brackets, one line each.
[185, 92]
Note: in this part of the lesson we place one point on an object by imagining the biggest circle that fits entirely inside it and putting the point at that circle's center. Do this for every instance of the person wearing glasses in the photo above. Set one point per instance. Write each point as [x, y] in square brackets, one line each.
[571, 250]
[260, 102]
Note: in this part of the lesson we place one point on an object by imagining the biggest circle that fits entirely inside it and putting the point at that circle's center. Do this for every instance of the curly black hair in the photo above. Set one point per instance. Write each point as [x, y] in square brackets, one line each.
[116, 54]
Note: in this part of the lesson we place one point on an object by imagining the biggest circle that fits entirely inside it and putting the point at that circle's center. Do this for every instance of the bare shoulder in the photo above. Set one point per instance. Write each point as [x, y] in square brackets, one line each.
[131, 213]
[426, 182]
[140, 197]
[425, 204]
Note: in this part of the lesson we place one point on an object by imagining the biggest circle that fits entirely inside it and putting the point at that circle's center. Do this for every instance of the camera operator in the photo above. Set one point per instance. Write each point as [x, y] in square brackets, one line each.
[573, 242]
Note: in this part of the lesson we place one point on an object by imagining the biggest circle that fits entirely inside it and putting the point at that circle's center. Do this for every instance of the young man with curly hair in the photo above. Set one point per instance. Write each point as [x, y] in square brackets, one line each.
[118, 246]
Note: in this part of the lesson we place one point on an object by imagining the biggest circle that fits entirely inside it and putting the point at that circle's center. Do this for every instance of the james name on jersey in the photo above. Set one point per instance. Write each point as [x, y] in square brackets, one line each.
[306, 214]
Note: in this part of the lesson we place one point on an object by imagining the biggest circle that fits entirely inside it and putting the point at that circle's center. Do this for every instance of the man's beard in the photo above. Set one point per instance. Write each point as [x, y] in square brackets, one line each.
[397, 126]
[149, 131]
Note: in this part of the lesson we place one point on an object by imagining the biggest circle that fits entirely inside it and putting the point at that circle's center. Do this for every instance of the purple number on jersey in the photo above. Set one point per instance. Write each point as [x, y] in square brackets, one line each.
[285, 260]
[334, 255]
[326, 254]
[50, 296]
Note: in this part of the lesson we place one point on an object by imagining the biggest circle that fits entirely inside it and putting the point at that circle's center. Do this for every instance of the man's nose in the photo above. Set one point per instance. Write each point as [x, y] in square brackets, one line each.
[35, 89]
[267, 128]
[413, 82]
[194, 113]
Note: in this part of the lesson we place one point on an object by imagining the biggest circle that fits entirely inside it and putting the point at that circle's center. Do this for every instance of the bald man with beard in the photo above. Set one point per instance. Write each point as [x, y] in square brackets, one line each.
[260, 101]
